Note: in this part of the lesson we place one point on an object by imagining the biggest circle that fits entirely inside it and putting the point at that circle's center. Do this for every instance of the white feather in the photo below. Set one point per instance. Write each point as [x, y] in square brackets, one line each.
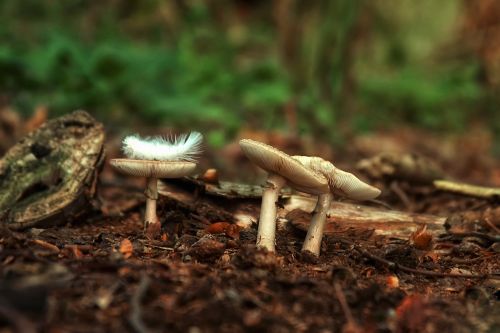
[184, 147]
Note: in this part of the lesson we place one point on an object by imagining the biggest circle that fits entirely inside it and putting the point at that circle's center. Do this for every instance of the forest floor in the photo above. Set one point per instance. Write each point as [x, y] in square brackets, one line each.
[102, 274]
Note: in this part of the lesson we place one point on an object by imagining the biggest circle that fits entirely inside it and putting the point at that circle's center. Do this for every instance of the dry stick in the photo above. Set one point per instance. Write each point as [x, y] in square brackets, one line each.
[467, 189]
[135, 318]
[395, 266]
[491, 225]
[343, 303]
[470, 261]
[494, 239]
[401, 195]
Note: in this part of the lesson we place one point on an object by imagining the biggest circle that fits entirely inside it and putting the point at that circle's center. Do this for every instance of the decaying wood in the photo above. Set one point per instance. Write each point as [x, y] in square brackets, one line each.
[467, 189]
[409, 167]
[224, 189]
[342, 216]
[50, 176]
[295, 207]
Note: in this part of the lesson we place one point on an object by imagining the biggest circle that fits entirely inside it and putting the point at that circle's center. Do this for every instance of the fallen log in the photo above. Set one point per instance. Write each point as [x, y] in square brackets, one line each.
[343, 216]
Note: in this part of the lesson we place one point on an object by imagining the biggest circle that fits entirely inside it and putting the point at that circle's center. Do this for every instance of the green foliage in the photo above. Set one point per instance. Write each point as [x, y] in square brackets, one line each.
[437, 100]
[220, 66]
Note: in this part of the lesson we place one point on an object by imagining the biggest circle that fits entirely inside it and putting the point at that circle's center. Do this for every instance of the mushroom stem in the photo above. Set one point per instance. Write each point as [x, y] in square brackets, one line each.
[151, 194]
[267, 221]
[314, 235]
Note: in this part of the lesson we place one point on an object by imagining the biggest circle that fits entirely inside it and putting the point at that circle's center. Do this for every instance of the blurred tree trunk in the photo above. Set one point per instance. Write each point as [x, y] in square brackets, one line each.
[481, 29]
[317, 43]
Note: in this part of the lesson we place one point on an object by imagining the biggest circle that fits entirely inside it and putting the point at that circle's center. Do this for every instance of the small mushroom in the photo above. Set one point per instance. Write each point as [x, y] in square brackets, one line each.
[311, 175]
[158, 158]
[341, 183]
[282, 169]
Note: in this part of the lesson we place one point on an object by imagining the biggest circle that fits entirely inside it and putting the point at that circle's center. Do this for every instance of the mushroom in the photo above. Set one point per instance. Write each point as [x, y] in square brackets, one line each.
[282, 169]
[155, 158]
[341, 183]
[311, 175]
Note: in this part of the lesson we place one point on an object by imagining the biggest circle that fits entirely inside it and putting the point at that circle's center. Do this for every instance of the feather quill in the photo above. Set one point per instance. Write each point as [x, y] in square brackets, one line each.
[185, 147]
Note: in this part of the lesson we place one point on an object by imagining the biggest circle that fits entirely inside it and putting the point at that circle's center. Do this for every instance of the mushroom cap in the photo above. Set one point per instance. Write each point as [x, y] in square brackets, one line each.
[352, 187]
[156, 169]
[341, 182]
[277, 162]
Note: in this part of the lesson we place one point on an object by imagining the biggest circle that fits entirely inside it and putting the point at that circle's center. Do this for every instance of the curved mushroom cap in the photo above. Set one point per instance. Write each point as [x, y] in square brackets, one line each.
[277, 162]
[340, 181]
[156, 169]
[352, 187]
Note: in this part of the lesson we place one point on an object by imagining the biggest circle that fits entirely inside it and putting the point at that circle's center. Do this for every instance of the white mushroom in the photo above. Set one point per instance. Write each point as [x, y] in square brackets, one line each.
[282, 169]
[152, 170]
[341, 183]
[156, 150]
[311, 175]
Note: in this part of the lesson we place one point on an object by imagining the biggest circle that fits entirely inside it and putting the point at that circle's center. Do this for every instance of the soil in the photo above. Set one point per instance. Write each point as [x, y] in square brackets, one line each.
[102, 274]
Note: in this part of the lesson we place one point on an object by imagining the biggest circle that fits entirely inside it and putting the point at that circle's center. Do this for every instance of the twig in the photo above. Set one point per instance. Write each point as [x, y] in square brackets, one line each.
[351, 326]
[395, 266]
[145, 242]
[380, 203]
[135, 318]
[467, 189]
[401, 195]
[491, 225]
[494, 239]
[469, 261]
[343, 303]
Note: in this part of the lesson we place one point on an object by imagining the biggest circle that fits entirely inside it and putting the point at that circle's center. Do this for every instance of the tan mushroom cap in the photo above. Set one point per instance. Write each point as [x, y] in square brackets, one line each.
[277, 162]
[341, 182]
[352, 187]
[151, 168]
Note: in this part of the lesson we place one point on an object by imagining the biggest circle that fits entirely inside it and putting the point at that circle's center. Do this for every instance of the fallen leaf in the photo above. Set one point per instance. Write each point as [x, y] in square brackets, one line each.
[421, 239]
[46, 245]
[231, 230]
[126, 248]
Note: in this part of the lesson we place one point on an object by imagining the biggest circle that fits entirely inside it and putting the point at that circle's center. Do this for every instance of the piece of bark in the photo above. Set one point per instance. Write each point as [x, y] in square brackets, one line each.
[50, 176]
[342, 216]
[467, 189]
[224, 189]
[410, 167]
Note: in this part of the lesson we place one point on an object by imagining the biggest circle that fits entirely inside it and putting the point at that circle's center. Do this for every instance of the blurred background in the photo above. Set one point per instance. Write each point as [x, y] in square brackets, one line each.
[327, 70]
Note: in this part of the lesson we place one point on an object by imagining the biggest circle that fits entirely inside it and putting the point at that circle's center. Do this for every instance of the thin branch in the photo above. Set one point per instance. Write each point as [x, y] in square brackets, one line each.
[343, 302]
[494, 239]
[491, 225]
[135, 318]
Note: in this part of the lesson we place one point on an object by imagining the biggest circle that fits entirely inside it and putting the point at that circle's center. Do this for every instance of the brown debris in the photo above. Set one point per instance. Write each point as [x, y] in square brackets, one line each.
[206, 249]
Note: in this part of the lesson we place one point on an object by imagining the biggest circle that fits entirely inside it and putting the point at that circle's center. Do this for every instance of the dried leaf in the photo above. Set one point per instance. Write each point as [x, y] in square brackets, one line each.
[421, 239]
[126, 248]
[46, 245]
[231, 230]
